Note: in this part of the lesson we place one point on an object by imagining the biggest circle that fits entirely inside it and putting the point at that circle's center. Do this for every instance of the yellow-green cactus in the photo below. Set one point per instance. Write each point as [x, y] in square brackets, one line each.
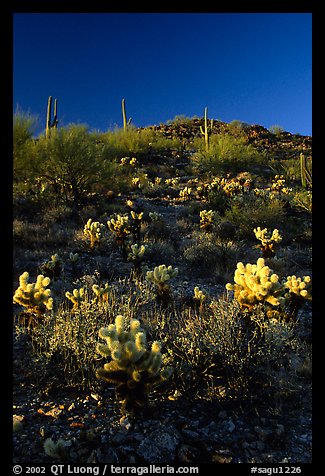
[76, 297]
[256, 283]
[300, 287]
[52, 267]
[160, 277]
[119, 225]
[133, 368]
[34, 296]
[199, 297]
[268, 240]
[186, 193]
[297, 291]
[137, 252]
[73, 257]
[155, 216]
[207, 218]
[93, 230]
[101, 293]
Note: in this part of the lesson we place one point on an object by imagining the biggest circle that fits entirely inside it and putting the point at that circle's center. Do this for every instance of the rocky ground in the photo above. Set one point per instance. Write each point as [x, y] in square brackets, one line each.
[173, 431]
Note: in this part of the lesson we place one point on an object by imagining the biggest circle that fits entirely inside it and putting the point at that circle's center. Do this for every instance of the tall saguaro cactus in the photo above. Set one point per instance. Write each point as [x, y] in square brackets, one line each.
[54, 124]
[207, 129]
[126, 122]
[306, 176]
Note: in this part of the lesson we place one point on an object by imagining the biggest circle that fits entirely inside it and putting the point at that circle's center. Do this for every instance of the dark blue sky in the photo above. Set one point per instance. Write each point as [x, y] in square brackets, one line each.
[253, 67]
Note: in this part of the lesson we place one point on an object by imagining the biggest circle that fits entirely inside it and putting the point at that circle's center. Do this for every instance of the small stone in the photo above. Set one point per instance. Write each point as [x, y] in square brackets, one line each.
[159, 446]
[230, 426]
[222, 415]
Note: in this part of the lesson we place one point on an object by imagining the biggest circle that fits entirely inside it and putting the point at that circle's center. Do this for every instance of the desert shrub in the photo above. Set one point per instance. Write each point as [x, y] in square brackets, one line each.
[141, 143]
[69, 159]
[24, 165]
[219, 356]
[227, 153]
[276, 129]
[64, 345]
[212, 256]
[250, 212]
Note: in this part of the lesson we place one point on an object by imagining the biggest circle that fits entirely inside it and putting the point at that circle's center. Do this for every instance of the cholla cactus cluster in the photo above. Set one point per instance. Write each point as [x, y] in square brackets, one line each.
[137, 252]
[133, 368]
[57, 450]
[52, 267]
[35, 297]
[268, 240]
[125, 161]
[186, 193]
[255, 283]
[207, 218]
[232, 186]
[172, 181]
[76, 297]
[300, 287]
[119, 225]
[155, 216]
[160, 277]
[93, 230]
[101, 293]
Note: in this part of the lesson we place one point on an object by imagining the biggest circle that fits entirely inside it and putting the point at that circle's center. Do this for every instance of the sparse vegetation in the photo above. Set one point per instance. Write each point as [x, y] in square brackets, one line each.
[97, 215]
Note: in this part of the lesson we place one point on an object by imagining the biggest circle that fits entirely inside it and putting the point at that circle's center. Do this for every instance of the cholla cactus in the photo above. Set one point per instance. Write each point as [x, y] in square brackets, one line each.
[298, 290]
[301, 287]
[133, 368]
[34, 296]
[172, 181]
[256, 283]
[93, 230]
[186, 193]
[76, 297]
[207, 218]
[52, 267]
[101, 293]
[155, 216]
[56, 450]
[137, 252]
[136, 182]
[136, 220]
[199, 296]
[127, 161]
[120, 226]
[268, 241]
[160, 277]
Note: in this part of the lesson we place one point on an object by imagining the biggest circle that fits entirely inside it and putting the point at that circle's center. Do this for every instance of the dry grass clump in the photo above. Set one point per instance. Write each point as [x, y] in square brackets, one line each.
[208, 255]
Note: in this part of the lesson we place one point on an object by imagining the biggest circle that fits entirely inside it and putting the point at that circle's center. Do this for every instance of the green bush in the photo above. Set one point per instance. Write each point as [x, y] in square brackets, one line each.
[24, 165]
[132, 142]
[251, 211]
[70, 162]
[227, 153]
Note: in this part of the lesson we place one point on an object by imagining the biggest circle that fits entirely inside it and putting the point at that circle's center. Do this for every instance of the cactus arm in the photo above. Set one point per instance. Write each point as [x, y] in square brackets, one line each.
[50, 125]
[126, 122]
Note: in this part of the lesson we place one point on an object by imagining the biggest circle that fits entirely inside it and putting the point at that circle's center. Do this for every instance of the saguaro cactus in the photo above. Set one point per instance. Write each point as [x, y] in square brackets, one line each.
[51, 124]
[306, 176]
[126, 122]
[207, 130]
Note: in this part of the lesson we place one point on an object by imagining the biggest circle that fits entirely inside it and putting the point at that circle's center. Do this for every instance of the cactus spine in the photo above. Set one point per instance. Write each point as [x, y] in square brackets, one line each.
[207, 130]
[126, 122]
[54, 124]
[306, 176]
